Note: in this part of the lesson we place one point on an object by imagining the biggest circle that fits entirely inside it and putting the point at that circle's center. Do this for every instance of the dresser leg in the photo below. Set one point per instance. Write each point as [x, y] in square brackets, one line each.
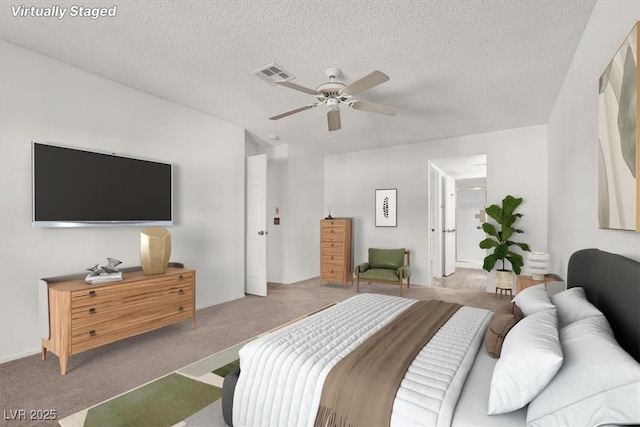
[43, 352]
[63, 364]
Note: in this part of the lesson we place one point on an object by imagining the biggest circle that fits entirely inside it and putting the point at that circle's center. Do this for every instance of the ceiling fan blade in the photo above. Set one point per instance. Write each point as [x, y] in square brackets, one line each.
[333, 117]
[367, 82]
[374, 108]
[297, 87]
[288, 113]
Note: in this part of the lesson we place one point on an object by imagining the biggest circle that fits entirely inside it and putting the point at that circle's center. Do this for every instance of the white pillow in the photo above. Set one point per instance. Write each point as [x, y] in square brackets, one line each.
[531, 356]
[573, 305]
[598, 384]
[533, 299]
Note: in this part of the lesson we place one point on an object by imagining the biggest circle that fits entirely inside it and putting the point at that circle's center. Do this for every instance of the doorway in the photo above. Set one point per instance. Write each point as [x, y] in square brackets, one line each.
[457, 197]
[471, 197]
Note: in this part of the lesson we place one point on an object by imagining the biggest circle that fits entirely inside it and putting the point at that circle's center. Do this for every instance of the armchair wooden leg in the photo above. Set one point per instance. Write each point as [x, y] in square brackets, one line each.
[358, 283]
[401, 288]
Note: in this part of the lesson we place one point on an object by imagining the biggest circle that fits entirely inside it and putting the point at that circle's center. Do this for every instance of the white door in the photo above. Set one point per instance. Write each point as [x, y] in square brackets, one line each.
[449, 226]
[256, 283]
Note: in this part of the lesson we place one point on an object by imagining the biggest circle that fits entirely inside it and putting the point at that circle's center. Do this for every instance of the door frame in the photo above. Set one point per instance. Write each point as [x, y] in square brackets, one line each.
[435, 212]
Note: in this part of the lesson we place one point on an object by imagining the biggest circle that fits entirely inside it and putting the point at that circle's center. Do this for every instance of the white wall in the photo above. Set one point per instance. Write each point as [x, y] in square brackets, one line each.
[516, 165]
[305, 187]
[48, 101]
[573, 142]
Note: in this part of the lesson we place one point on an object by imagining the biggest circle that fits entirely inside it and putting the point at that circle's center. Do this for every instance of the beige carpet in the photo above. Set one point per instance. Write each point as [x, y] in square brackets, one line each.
[96, 375]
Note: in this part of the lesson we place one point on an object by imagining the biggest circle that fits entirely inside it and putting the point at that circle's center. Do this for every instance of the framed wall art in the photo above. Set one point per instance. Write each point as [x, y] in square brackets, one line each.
[618, 156]
[386, 201]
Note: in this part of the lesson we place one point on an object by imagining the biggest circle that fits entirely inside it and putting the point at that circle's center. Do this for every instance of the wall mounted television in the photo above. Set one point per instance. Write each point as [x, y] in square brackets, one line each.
[80, 188]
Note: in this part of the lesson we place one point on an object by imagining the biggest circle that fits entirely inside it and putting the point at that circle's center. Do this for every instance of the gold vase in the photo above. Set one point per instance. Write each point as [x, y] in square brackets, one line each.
[155, 250]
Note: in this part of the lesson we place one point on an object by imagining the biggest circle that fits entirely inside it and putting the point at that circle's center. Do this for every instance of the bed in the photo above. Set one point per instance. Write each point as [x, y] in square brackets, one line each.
[568, 359]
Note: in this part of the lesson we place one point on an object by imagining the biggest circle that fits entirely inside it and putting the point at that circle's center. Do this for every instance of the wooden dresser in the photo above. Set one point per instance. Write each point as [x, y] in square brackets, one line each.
[335, 251]
[83, 316]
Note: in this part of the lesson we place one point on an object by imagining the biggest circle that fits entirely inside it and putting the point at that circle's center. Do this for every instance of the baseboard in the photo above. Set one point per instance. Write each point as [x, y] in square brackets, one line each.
[19, 356]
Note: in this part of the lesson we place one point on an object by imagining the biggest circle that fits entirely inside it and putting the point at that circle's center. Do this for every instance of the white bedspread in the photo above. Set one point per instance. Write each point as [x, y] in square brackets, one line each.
[282, 373]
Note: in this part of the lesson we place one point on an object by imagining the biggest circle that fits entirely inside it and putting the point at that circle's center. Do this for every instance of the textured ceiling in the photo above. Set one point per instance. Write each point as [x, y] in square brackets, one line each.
[456, 67]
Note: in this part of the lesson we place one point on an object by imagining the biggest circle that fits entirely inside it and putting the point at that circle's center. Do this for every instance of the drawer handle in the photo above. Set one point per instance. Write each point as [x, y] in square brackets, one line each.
[331, 257]
[332, 231]
[181, 277]
[181, 291]
[181, 308]
[92, 310]
[92, 333]
[92, 294]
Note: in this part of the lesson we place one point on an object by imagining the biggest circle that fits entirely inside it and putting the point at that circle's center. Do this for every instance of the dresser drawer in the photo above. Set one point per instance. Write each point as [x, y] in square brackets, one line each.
[332, 259]
[87, 336]
[326, 224]
[134, 305]
[335, 248]
[167, 286]
[332, 236]
[330, 269]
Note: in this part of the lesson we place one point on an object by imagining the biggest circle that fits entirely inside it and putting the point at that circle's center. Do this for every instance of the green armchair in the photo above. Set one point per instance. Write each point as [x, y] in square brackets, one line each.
[385, 266]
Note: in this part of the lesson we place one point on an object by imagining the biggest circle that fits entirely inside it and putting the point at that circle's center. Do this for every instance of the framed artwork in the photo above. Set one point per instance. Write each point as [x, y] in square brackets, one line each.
[618, 156]
[386, 215]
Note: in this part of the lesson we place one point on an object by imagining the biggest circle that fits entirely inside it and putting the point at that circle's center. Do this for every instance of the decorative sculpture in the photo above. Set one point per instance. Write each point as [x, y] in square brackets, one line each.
[106, 273]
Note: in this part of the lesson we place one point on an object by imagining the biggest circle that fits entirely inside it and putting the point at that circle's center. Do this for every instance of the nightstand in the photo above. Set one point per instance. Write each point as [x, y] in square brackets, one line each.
[524, 281]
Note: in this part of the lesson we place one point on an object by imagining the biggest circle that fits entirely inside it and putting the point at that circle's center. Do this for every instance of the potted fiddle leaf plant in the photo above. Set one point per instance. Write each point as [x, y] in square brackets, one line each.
[499, 239]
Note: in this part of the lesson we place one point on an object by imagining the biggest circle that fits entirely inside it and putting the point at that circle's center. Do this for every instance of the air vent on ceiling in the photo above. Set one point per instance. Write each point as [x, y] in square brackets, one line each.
[272, 73]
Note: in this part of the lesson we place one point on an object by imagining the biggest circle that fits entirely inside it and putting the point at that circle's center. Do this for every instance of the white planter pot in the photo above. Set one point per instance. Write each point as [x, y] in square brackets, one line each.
[504, 279]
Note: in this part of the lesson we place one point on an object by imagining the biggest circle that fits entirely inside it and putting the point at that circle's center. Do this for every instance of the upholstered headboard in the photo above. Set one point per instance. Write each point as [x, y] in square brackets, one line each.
[612, 283]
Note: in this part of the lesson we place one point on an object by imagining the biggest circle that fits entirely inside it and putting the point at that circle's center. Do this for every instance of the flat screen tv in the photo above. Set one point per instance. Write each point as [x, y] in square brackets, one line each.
[79, 188]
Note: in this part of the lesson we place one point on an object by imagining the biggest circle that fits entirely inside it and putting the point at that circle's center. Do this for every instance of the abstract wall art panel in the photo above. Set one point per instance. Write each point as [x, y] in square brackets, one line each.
[619, 157]
[386, 207]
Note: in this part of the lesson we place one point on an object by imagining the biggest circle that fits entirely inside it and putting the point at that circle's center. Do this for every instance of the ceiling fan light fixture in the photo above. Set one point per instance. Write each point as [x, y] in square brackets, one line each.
[334, 92]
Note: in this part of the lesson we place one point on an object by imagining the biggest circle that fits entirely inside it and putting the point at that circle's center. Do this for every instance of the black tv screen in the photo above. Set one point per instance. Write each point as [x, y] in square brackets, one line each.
[80, 188]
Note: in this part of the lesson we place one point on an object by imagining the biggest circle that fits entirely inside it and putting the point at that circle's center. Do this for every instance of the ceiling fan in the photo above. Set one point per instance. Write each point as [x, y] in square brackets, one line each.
[334, 93]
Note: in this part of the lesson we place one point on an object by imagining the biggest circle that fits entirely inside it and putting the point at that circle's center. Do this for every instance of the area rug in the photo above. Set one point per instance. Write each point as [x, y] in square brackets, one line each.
[188, 397]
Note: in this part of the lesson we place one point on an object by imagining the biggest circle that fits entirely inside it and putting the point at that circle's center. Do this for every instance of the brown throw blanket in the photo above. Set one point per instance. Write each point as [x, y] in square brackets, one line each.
[359, 391]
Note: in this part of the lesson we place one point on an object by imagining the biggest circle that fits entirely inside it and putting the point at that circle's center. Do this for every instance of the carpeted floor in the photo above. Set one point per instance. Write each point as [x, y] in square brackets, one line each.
[30, 384]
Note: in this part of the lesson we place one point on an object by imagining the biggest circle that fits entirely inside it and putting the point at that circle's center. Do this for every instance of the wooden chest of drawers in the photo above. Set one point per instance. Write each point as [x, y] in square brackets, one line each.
[83, 316]
[335, 251]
